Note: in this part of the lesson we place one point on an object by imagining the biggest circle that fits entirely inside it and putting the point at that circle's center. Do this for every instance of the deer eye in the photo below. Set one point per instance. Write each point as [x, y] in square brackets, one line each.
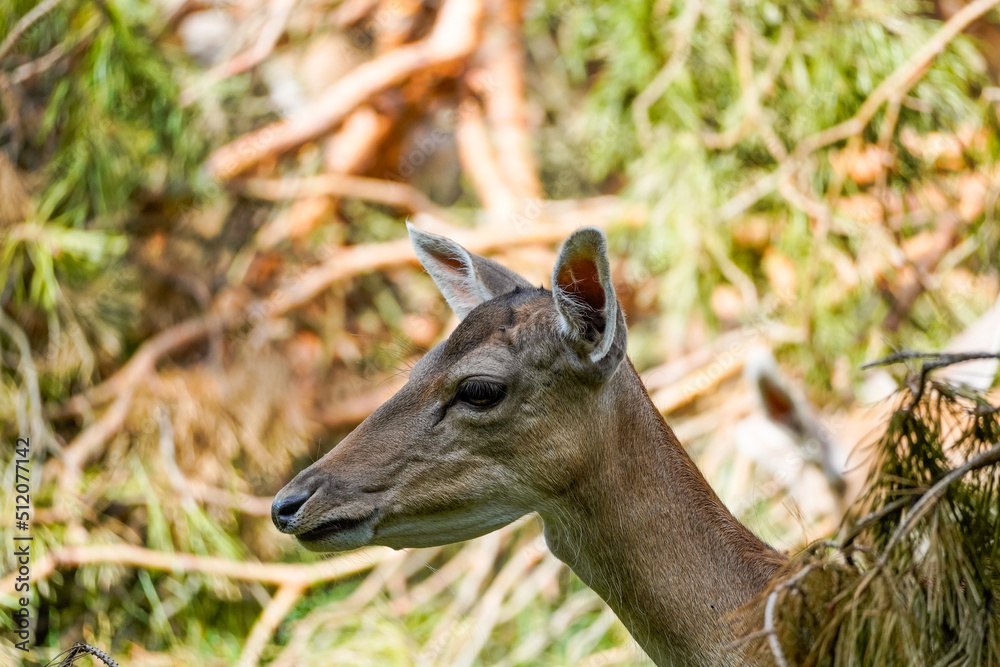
[480, 393]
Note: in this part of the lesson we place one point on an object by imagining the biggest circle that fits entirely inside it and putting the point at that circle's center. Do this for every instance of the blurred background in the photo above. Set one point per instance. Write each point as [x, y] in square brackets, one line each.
[206, 281]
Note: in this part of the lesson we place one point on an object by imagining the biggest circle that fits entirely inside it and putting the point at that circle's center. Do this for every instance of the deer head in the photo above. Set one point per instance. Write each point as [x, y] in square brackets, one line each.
[493, 423]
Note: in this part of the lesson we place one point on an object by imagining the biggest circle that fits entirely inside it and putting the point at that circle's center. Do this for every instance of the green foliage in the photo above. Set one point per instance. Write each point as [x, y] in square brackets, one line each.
[109, 132]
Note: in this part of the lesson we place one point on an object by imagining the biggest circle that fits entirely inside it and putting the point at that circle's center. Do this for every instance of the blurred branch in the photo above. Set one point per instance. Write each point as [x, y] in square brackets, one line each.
[391, 193]
[752, 87]
[279, 12]
[454, 36]
[279, 574]
[900, 81]
[480, 162]
[274, 613]
[29, 374]
[351, 261]
[124, 383]
[769, 629]
[243, 502]
[506, 109]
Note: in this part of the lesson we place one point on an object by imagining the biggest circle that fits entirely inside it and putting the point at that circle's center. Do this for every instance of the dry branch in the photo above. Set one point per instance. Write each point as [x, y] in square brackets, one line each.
[506, 109]
[274, 613]
[769, 629]
[392, 193]
[278, 574]
[454, 37]
[125, 382]
[481, 163]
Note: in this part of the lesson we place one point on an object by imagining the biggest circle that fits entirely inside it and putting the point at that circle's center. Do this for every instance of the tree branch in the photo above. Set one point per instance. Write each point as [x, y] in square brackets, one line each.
[129, 555]
[454, 37]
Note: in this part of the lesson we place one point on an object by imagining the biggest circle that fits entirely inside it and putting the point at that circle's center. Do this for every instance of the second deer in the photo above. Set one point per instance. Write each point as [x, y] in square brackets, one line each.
[531, 405]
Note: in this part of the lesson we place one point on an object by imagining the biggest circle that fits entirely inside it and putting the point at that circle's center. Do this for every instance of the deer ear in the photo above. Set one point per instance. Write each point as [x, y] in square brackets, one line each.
[465, 279]
[779, 404]
[585, 298]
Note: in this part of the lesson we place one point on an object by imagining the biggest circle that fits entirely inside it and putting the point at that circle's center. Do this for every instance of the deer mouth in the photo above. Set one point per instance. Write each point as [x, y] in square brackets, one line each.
[334, 527]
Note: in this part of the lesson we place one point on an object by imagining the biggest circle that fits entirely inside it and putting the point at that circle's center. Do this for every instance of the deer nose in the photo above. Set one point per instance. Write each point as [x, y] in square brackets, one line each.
[284, 509]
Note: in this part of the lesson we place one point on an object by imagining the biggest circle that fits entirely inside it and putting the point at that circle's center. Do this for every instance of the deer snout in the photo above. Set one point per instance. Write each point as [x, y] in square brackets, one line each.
[286, 510]
[326, 512]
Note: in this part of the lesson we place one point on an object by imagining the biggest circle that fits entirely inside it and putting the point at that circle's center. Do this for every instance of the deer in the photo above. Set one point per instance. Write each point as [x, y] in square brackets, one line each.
[531, 405]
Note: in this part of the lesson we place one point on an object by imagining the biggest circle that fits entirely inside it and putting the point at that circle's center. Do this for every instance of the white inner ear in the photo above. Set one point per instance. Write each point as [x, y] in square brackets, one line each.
[460, 287]
[452, 269]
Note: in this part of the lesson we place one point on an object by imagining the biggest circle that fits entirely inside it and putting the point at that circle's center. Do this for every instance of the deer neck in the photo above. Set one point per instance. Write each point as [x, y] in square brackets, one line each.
[646, 532]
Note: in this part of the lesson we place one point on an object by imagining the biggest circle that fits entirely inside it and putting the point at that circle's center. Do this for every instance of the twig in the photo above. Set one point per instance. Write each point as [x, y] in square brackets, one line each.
[392, 193]
[681, 43]
[486, 614]
[940, 359]
[26, 22]
[243, 502]
[672, 372]
[453, 37]
[772, 600]
[168, 452]
[352, 147]
[274, 613]
[142, 363]
[731, 272]
[39, 65]
[279, 574]
[85, 649]
[350, 12]
[752, 87]
[353, 410]
[485, 552]
[869, 519]
[42, 63]
[401, 563]
[274, 27]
